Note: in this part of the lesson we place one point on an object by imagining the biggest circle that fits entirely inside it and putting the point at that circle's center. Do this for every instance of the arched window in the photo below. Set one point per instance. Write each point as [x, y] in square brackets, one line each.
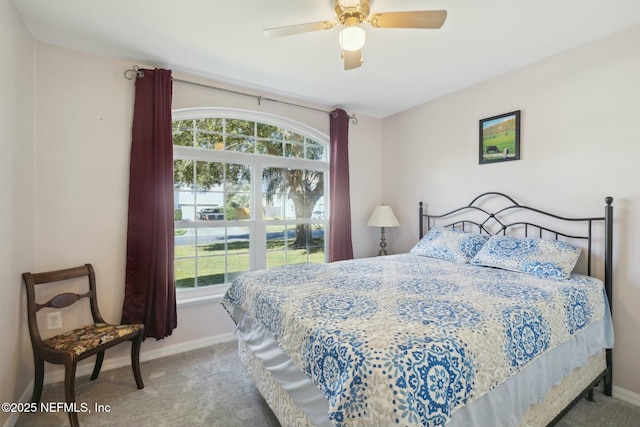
[250, 193]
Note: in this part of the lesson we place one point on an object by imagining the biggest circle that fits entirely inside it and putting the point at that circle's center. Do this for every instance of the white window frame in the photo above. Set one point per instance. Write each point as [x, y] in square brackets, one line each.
[257, 226]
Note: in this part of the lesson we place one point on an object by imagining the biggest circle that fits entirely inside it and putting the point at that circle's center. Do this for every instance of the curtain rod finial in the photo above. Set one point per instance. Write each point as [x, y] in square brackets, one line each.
[133, 73]
[351, 117]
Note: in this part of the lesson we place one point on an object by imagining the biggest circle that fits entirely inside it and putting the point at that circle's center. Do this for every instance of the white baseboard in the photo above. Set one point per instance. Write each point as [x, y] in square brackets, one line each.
[118, 362]
[26, 397]
[626, 395]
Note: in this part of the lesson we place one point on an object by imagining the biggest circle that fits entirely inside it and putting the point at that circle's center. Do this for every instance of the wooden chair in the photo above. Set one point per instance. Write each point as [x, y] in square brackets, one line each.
[70, 347]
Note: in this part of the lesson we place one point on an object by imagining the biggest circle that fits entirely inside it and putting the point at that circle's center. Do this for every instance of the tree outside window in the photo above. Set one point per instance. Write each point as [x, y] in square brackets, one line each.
[217, 161]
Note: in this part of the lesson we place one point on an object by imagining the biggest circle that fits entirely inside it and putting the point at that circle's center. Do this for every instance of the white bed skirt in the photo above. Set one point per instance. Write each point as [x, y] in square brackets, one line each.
[297, 402]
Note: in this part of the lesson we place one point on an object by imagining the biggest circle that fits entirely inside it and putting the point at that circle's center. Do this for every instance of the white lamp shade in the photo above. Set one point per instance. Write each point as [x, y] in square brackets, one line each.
[383, 216]
[352, 38]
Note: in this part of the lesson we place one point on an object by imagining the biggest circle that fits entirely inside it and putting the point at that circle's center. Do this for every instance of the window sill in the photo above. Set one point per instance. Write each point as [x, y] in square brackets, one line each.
[186, 297]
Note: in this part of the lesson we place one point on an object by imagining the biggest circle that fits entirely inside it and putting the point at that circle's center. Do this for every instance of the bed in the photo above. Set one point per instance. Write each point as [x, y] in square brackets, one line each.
[493, 318]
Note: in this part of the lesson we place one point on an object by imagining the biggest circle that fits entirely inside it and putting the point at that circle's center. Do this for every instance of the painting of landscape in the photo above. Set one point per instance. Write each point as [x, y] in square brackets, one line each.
[500, 138]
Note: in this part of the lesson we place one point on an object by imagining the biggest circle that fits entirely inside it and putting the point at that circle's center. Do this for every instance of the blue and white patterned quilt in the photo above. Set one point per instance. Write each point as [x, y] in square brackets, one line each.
[407, 340]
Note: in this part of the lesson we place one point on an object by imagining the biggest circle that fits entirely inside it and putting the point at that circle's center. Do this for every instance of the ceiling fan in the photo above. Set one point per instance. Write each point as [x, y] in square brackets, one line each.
[352, 13]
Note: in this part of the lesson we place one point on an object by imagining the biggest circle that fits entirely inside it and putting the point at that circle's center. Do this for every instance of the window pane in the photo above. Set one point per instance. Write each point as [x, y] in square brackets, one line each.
[297, 246]
[269, 147]
[292, 193]
[238, 258]
[294, 150]
[294, 188]
[240, 143]
[277, 240]
[185, 272]
[314, 192]
[318, 209]
[184, 202]
[182, 133]
[268, 131]
[240, 127]
[314, 183]
[278, 236]
[211, 141]
[293, 137]
[238, 239]
[210, 124]
[315, 246]
[273, 183]
[237, 264]
[183, 173]
[210, 197]
[238, 206]
[293, 201]
[273, 209]
[237, 177]
[211, 241]
[315, 151]
[222, 252]
[209, 175]
[184, 242]
[237, 192]
[179, 125]
[241, 213]
[210, 270]
[276, 259]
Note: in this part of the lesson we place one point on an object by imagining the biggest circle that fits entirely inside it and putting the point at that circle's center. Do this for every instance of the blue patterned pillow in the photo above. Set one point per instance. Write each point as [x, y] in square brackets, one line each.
[449, 244]
[540, 257]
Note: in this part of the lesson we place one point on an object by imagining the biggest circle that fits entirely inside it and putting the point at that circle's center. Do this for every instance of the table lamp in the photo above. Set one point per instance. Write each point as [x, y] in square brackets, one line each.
[383, 217]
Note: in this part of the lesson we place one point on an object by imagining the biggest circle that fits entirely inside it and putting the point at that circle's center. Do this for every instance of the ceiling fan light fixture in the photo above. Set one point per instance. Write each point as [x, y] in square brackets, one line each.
[352, 38]
[350, 14]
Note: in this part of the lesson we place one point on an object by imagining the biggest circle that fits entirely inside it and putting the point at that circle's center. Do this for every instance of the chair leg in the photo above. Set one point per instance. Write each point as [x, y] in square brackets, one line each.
[135, 360]
[70, 387]
[98, 366]
[38, 364]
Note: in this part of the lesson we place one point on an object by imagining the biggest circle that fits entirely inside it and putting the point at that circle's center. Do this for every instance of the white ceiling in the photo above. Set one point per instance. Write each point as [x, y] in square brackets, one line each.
[402, 68]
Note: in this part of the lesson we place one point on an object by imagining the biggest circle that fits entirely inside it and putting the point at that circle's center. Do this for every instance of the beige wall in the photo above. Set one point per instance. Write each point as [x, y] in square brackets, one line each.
[84, 111]
[17, 195]
[580, 143]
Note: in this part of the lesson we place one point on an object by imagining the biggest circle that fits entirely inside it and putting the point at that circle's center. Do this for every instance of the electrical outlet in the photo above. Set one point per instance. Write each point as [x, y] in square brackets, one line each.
[54, 320]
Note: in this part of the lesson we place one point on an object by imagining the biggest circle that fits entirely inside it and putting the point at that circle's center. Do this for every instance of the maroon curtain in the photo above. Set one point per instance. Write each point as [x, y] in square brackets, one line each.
[150, 292]
[340, 246]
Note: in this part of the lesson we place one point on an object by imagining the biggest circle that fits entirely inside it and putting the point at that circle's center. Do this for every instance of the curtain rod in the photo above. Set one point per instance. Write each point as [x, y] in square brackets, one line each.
[136, 72]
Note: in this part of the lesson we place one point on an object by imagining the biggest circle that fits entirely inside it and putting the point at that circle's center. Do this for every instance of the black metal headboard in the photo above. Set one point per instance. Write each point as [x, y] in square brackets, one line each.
[475, 217]
[498, 219]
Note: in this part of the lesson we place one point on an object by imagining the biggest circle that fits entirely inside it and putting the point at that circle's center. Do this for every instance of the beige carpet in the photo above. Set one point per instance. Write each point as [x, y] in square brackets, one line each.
[209, 387]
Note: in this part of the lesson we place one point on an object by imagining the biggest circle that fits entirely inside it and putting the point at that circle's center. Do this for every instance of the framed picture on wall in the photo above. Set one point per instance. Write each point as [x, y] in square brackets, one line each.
[500, 138]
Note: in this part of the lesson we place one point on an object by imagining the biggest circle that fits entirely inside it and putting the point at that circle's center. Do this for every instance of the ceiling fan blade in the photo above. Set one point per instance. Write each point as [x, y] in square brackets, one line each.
[352, 59]
[419, 19]
[298, 29]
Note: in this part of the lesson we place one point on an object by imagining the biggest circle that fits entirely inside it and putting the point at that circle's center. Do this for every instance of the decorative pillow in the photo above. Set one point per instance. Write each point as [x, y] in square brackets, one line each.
[449, 244]
[540, 257]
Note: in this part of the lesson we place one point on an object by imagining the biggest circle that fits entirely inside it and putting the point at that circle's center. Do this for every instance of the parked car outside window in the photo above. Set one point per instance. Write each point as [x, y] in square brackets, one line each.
[210, 214]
